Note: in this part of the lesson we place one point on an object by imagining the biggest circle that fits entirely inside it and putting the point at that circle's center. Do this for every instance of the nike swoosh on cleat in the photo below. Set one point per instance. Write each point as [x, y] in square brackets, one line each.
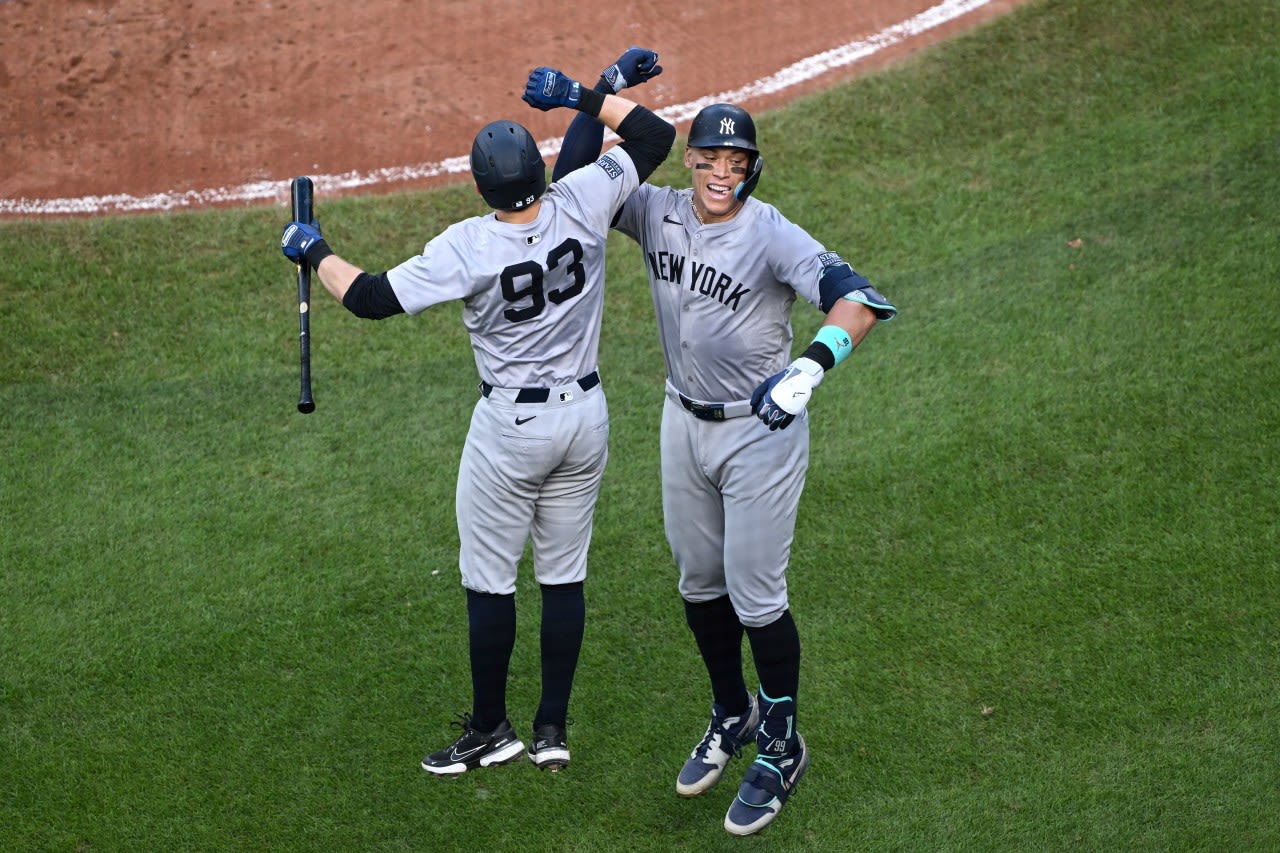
[454, 755]
[522, 421]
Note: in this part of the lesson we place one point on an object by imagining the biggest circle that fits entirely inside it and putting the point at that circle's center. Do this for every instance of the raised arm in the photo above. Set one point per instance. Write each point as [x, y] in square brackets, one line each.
[585, 137]
[646, 137]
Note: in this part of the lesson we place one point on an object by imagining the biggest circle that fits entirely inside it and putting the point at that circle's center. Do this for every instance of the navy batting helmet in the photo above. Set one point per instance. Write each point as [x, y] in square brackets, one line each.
[507, 166]
[727, 126]
[723, 126]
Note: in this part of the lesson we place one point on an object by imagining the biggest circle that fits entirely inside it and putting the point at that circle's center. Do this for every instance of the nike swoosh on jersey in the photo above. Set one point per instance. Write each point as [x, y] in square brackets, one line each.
[523, 421]
[670, 221]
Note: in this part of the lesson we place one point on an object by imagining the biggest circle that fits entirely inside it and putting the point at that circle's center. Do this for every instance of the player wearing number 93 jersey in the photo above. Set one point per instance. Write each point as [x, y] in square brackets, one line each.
[530, 276]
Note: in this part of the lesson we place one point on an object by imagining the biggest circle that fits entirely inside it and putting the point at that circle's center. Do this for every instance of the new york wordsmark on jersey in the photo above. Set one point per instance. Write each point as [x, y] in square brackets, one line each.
[532, 294]
[722, 292]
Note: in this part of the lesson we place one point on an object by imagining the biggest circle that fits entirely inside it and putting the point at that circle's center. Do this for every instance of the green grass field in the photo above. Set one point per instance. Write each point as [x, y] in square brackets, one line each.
[1036, 563]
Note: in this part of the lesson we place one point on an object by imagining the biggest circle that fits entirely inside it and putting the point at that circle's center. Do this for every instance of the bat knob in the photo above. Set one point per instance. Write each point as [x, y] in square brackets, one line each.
[306, 406]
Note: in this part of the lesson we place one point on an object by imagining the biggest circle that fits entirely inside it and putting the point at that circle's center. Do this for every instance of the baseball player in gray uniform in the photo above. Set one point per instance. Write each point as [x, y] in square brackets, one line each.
[725, 269]
[530, 276]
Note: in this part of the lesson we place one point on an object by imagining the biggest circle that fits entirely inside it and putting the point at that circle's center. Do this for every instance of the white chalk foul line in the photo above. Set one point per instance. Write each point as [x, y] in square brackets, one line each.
[793, 75]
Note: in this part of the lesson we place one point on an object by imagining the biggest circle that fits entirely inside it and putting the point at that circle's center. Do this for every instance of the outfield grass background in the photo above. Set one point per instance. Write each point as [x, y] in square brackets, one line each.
[1036, 563]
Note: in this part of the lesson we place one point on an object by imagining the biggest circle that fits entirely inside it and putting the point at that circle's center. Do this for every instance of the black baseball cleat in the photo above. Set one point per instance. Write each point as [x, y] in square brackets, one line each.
[550, 747]
[475, 749]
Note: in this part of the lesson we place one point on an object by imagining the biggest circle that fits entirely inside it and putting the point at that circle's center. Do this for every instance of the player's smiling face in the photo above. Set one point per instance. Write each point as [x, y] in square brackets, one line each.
[717, 172]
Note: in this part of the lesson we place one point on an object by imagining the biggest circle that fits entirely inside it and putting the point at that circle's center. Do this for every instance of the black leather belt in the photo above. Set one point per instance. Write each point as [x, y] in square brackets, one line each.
[703, 411]
[541, 395]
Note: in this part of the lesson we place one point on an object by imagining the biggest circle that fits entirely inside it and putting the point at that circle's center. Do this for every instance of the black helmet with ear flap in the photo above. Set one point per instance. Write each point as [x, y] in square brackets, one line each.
[507, 166]
[728, 126]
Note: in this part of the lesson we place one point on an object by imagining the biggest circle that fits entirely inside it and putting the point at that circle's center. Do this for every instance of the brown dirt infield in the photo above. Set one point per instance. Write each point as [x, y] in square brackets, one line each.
[141, 97]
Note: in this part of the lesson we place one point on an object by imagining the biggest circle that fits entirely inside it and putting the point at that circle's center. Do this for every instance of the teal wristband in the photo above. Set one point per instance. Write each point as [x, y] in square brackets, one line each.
[835, 339]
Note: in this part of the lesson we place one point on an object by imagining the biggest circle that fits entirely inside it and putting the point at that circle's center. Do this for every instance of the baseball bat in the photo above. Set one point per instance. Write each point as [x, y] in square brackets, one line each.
[301, 192]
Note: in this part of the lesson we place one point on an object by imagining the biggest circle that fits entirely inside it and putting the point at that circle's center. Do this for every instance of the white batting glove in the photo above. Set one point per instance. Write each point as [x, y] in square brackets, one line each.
[784, 395]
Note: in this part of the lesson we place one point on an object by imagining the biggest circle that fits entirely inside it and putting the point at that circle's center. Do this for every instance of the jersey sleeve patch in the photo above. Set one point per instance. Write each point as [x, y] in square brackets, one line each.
[611, 167]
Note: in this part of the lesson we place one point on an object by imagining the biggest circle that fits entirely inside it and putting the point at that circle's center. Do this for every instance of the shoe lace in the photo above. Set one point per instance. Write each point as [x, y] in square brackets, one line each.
[462, 722]
[718, 726]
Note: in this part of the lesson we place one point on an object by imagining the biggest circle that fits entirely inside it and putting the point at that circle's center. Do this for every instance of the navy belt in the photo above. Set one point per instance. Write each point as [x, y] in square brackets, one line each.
[541, 395]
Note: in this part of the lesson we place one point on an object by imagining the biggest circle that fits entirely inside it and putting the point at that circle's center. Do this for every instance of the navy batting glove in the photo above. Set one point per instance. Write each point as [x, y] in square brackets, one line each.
[298, 239]
[548, 88]
[763, 406]
[634, 67]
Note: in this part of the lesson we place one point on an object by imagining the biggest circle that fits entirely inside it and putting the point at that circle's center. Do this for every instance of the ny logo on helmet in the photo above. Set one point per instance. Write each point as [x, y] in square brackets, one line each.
[726, 127]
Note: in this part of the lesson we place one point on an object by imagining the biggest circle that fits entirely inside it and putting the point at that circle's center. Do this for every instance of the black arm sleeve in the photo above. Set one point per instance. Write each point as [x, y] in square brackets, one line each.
[581, 145]
[647, 138]
[371, 297]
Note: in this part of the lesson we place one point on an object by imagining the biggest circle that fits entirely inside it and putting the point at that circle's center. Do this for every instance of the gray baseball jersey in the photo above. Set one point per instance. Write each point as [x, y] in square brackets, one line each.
[723, 295]
[723, 292]
[533, 297]
[532, 294]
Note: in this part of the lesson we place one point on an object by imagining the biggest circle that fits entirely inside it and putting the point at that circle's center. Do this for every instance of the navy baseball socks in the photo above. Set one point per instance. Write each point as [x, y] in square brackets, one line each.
[563, 620]
[723, 740]
[475, 749]
[781, 761]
